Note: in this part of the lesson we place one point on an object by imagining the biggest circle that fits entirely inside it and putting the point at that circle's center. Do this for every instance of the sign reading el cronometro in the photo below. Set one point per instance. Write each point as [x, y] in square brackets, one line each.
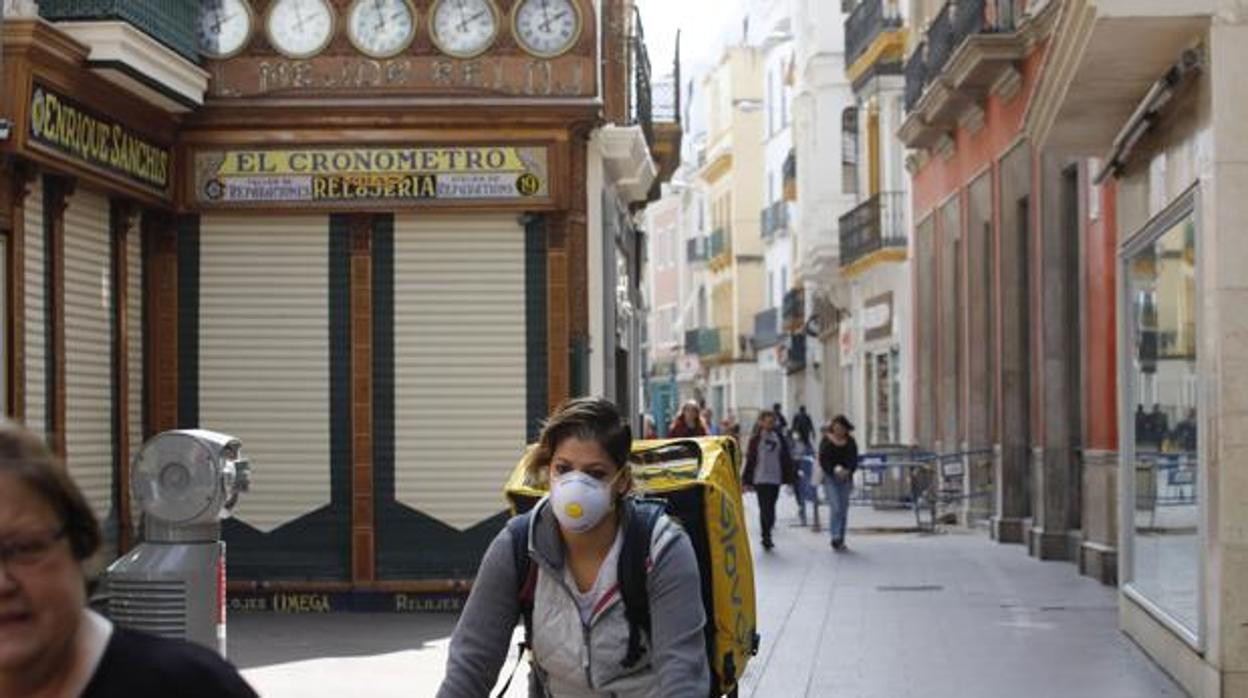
[62, 125]
[371, 174]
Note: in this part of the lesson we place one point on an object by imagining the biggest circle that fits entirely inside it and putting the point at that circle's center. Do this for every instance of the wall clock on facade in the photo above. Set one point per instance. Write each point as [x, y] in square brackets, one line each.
[224, 27]
[463, 28]
[381, 28]
[300, 28]
[546, 28]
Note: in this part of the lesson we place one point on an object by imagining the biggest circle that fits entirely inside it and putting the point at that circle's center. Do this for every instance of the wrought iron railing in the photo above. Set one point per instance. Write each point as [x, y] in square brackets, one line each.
[719, 243]
[869, 19]
[916, 75]
[957, 21]
[796, 358]
[767, 328]
[707, 341]
[877, 223]
[641, 107]
[695, 249]
[774, 218]
[941, 40]
[171, 22]
[794, 308]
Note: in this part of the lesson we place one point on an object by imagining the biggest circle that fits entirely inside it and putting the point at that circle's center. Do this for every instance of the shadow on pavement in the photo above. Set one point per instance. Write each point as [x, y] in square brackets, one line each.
[265, 639]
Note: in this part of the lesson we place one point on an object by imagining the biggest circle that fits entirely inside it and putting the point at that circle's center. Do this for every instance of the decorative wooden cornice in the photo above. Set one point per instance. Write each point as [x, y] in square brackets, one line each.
[43, 42]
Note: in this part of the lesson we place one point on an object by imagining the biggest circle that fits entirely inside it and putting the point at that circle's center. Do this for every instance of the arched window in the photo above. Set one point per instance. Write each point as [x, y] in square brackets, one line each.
[849, 150]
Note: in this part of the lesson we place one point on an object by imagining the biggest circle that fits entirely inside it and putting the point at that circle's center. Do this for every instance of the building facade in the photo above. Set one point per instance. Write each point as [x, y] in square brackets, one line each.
[1166, 192]
[369, 261]
[825, 191]
[876, 351]
[728, 177]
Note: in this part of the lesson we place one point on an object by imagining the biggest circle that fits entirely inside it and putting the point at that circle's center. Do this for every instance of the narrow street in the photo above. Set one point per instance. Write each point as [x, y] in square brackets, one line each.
[900, 615]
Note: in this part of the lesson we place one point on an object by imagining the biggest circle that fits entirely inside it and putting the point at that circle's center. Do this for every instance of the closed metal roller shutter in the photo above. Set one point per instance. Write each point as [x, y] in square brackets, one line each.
[264, 356]
[134, 337]
[459, 357]
[89, 349]
[36, 312]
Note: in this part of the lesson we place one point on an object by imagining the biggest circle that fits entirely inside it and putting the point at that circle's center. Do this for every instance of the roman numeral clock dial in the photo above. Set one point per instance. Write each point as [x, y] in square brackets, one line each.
[224, 27]
[546, 28]
[381, 28]
[463, 28]
[300, 28]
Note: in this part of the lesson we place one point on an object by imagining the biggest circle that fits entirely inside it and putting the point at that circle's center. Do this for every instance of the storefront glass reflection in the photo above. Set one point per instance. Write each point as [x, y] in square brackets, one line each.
[1162, 387]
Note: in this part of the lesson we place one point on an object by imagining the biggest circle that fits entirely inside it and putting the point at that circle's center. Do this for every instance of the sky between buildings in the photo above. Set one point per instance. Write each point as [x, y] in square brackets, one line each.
[705, 25]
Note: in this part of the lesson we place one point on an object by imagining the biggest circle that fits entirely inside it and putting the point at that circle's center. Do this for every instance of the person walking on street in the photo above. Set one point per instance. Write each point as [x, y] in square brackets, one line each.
[781, 422]
[804, 428]
[688, 423]
[768, 465]
[838, 459]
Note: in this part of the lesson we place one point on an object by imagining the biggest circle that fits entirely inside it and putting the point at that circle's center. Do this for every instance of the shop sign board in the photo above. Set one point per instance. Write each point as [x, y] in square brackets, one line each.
[878, 317]
[383, 175]
[64, 127]
[846, 343]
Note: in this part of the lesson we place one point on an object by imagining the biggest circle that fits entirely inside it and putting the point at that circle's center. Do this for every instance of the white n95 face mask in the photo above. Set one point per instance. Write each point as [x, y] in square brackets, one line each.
[580, 502]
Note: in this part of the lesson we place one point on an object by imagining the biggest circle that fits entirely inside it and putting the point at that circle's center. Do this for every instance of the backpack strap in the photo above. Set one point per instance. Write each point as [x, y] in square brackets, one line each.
[643, 515]
[526, 585]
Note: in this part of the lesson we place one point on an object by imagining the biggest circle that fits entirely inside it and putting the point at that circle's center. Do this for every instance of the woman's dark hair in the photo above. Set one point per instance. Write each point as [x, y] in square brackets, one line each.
[25, 456]
[843, 421]
[590, 418]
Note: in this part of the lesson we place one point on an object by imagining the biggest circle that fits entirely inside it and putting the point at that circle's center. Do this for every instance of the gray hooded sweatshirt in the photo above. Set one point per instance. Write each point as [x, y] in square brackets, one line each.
[575, 660]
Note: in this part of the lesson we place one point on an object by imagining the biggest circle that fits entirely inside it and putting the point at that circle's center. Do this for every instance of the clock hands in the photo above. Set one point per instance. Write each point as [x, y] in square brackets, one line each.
[555, 19]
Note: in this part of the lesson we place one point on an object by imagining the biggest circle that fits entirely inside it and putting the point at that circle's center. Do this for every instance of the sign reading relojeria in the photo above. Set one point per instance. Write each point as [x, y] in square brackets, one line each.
[384, 174]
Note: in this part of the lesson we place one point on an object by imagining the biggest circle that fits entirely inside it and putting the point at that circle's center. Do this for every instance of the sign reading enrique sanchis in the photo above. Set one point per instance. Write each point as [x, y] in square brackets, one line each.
[66, 127]
[378, 174]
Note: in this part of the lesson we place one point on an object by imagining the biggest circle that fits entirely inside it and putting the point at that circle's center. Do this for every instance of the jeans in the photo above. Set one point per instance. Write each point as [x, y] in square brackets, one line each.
[767, 496]
[838, 504]
[803, 491]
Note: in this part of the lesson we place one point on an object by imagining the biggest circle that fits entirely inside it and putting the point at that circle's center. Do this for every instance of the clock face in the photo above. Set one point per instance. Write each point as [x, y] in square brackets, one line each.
[547, 28]
[463, 28]
[300, 28]
[224, 27]
[381, 28]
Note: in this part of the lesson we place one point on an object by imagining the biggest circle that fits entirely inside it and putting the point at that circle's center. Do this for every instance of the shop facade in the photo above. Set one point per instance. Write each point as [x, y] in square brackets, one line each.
[372, 271]
[1175, 185]
[86, 171]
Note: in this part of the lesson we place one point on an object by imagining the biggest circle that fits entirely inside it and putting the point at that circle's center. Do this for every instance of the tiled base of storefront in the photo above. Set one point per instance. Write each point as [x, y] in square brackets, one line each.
[1172, 654]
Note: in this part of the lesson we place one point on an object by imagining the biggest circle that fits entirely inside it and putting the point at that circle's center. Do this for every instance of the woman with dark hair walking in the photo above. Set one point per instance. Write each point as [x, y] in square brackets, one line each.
[768, 465]
[838, 459]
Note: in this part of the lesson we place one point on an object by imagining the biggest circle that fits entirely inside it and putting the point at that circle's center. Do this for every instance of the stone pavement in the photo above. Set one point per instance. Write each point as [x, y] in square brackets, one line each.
[899, 615]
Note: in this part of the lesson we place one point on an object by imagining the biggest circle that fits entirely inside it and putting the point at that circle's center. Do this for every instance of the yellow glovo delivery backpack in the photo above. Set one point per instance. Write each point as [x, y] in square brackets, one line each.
[698, 481]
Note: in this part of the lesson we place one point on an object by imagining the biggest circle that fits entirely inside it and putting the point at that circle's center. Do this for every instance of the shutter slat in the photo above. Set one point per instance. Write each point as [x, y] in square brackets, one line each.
[89, 348]
[460, 371]
[264, 355]
[36, 311]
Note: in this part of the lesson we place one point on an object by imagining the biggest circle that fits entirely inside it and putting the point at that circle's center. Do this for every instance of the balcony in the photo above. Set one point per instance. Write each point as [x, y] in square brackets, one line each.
[794, 310]
[766, 329]
[708, 342]
[774, 220]
[878, 225]
[695, 249]
[790, 176]
[654, 106]
[972, 48]
[148, 48]
[873, 39]
[719, 252]
[171, 22]
[795, 356]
